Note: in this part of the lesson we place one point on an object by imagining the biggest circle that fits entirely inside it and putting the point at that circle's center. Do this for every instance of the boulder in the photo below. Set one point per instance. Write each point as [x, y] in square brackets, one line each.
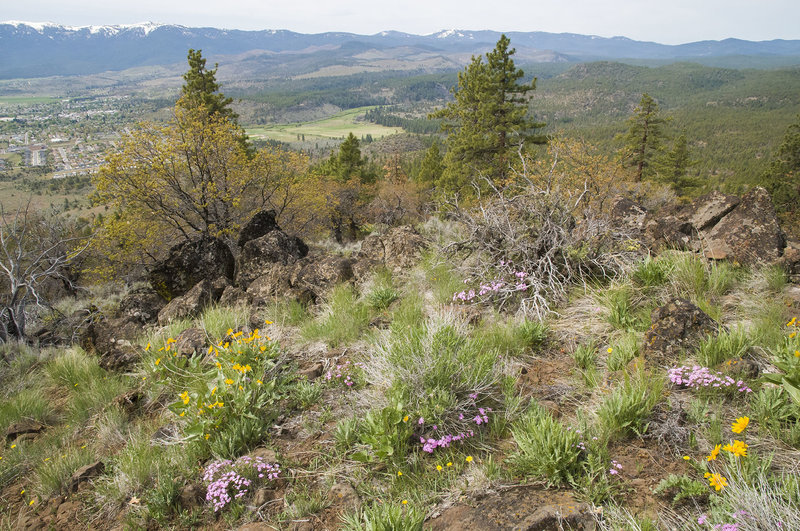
[188, 305]
[706, 211]
[189, 263]
[190, 342]
[142, 305]
[397, 250]
[749, 233]
[110, 339]
[261, 224]
[275, 281]
[627, 214]
[191, 496]
[519, 509]
[259, 255]
[677, 326]
[84, 473]
[791, 261]
[23, 430]
[320, 274]
[668, 231]
[344, 496]
[234, 296]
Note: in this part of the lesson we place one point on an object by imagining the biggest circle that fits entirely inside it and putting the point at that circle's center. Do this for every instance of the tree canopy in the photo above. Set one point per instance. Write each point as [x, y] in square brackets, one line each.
[488, 121]
[644, 137]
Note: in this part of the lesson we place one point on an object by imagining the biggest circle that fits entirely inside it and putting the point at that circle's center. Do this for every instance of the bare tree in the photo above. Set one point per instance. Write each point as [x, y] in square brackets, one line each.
[36, 251]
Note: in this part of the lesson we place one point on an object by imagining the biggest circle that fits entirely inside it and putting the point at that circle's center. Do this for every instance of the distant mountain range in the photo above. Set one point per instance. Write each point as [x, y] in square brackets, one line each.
[46, 49]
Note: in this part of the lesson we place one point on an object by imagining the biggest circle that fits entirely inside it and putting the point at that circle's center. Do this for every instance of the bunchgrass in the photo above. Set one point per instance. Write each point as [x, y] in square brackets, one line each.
[623, 350]
[52, 475]
[651, 273]
[546, 449]
[342, 320]
[28, 404]
[384, 516]
[585, 355]
[625, 411]
[726, 345]
[217, 320]
[381, 292]
[74, 369]
[514, 337]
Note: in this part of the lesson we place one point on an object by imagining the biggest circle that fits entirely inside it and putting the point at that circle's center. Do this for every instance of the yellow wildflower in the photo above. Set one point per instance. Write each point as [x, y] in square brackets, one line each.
[147, 347]
[797, 353]
[609, 350]
[686, 458]
[405, 419]
[469, 459]
[717, 481]
[449, 464]
[208, 435]
[210, 349]
[13, 446]
[158, 361]
[229, 332]
[170, 340]
[738, 448]
[714, 453]
[404, 502]
[31, 502]
[268, 322]
[228, 381]
[439, 468]
[399, 473]
[740, 424]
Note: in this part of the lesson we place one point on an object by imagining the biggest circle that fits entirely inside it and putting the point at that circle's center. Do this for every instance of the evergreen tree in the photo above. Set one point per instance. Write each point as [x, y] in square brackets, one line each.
[432, 166]
[349, 162]
[201, 89]
[673, 167]
[643, 140]
[783, 177]
[488, 121]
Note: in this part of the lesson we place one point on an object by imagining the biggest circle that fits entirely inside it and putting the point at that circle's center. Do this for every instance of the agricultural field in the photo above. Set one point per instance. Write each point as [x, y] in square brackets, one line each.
[337, 126]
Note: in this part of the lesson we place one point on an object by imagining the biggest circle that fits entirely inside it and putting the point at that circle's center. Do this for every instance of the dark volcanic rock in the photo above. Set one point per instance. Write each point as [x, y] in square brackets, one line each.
[397, 250]
[142, 305]
[110, 340]
[188, 305]
[261, 224]
[517, 509]
[84, 473]
[26, 429]
[749, 234]
[706, 211]
[190, 342]
[321, 273]
[668, 231]
[627, 214]
[677, 326]
[189, 263]
[259, 255]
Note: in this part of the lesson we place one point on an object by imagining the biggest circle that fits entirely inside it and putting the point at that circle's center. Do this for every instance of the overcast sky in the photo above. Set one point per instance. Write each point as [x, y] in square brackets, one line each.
[665, 21]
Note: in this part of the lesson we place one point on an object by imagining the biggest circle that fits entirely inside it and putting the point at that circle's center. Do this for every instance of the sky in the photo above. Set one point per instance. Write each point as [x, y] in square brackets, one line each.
[664, 21]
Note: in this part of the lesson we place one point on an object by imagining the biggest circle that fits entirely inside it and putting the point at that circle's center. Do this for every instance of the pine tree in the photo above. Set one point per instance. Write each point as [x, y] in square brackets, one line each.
[673, 167]
[488, 121]
[431, 167]
[643, 140]
[349, 162]
[202, 90]
[783, 178]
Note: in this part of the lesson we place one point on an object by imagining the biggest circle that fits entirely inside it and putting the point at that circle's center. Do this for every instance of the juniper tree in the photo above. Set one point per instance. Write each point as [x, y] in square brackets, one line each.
[488, 121]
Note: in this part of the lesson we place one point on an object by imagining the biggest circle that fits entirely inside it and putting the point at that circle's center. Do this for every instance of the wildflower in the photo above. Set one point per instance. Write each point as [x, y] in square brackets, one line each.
[31, 502]
[170, 341]
[405, 419]
[609, 350]
[158, 361]
[147, 347]
[185, 397]
[740, 424]
[718, 481]
[702, 519]
[686, 458]
[268, 322]
[797, 353]
[738, 448]
[449, 463]
[791, 336]
[439, 468]
[469, 459]
[229, 332]
[792, 322]
[399, 473]
[13, 446]
[714, 453]
[228, 381]
[259, 382]
[421, 421]
[208, 435]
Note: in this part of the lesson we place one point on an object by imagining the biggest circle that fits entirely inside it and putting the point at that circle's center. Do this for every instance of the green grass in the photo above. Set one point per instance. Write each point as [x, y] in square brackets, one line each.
[514, 337]
[546, 449]
[342, 320]
[336, 126]
[625, 411]
[726, 345]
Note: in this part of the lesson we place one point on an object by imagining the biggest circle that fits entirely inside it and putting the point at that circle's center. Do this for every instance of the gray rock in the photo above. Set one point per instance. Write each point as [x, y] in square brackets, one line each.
[189, 263]
[706, 211]
[188, 305]
[258, 256]
[677, 326]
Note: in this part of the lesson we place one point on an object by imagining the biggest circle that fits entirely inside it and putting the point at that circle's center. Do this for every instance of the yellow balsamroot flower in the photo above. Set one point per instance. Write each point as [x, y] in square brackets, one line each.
[718, 481]
[228, 381]
[469, 459]
[158, 361]
[738, 448]
[147, 347]
[792, 322]
[450, 464]
[714, 453]
[170, 341]
[405, 419]
[185, 397]
[740, 424]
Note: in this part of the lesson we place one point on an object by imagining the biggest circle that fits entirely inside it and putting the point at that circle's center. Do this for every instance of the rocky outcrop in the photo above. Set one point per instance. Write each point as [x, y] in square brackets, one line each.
[677, 326]
[261, 224]
[190, 304]
[627, 214]
[189, 263]
[259, 256]
[141, 305]
[84, 473]
[317, 275]
[396, 250]
[708, 210]
[191, 342]
[749, 233]
[110, 340]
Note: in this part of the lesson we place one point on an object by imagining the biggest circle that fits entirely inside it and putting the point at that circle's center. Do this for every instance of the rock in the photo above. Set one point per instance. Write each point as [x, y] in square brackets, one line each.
[319, 274]
[129, 401]
[750, 233]
[259, 255]
[110, 340]
[519, 508]
[234, 296]
[264, 495]
[677, 326]
[84, 473]
[791, 261]
[261, 224]
[668, 231]
[397, 250]
[706, 211]
[23, 428]
[267, 454]
[67, 511]
[188, 305]
[190, 342]
[191, 496]
[627, 214]
[344, 496]
[141, 305]
[311, 372]
[276, 281]
[189, 263]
